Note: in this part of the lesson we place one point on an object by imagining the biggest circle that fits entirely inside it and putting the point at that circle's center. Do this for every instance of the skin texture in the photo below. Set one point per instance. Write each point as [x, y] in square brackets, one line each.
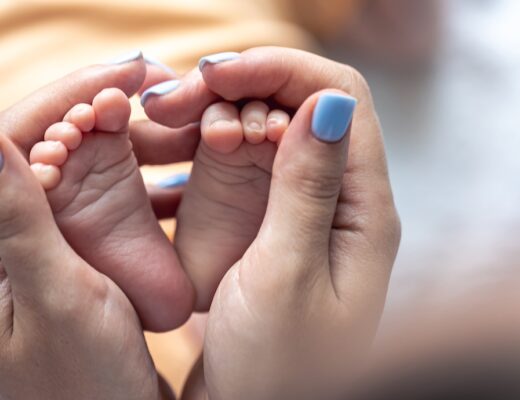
[226, 197]
[310, 289]
[86, 323]
[101, 206]
[331, 231]
[24, 122]
[80, 340]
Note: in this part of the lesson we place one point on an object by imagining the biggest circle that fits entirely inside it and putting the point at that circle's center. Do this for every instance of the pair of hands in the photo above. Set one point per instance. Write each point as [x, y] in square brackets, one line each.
[290, 319]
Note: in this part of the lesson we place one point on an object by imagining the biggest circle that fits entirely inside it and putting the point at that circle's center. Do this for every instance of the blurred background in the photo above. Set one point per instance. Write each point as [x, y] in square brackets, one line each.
[445, 77]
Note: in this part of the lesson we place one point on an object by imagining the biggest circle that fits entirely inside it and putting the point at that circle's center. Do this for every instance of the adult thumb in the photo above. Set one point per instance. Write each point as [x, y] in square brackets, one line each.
[307, 176]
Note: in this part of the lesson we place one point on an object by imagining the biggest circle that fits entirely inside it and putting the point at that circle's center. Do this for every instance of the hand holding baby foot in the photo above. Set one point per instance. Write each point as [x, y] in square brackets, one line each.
[100, 204]
[66, 331]
[294, 316]
[224, 203]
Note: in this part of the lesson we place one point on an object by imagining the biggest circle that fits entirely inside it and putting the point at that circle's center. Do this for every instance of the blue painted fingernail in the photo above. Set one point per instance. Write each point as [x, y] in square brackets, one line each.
[126, 58]
[159, 90]
[218, 58]
[332, 116]
[174, 181]
[1, 161]
[154, 61]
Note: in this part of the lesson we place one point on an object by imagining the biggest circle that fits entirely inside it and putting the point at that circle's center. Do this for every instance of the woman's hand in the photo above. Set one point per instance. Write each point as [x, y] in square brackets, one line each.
[294, 317]
[66, 331]
[25, 122]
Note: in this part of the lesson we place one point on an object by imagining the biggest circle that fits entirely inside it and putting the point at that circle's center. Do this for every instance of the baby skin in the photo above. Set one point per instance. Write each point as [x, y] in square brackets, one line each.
[225, 200]
[100, 204]
[99, 200]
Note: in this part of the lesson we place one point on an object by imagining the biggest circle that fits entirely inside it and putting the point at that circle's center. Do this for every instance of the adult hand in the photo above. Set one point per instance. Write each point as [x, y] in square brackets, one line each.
[25, 122]
[62, 324]
[66, 331]
[293, 317]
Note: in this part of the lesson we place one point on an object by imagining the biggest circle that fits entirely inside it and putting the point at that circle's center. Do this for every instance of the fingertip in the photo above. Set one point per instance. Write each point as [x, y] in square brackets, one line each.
[332, 116]
[177, 103]
[218, 58]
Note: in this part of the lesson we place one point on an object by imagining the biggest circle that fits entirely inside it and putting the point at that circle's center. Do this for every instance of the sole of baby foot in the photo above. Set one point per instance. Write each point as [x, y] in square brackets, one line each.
[100, 203]
[225, 201]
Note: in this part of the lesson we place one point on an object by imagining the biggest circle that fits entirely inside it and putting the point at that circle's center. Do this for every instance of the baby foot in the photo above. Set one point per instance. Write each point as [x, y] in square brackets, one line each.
[225, 200]
[100, 204]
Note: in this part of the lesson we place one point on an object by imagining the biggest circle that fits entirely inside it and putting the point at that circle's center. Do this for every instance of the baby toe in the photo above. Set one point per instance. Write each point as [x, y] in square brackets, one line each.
[81, 115]
[49, 176]
[221, 128]
[49, 152]
[66, 133]
[277, 123]
[254, 117]
[112, 110]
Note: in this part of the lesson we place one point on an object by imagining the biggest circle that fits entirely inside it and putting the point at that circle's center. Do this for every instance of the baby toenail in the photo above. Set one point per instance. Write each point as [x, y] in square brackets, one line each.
[221, 122]
[254, 126]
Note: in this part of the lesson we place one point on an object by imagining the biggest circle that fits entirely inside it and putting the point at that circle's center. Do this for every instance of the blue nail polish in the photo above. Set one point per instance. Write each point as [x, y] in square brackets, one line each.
[154, 61]
[332, 116]
[174, 181]
[218, 58]
[1, 161]
[159, 90]
[126, 58]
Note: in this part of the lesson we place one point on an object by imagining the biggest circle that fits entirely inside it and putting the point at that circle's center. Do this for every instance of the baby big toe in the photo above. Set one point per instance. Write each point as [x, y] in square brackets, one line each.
[112, 110]
[221, 128]
[277, 124]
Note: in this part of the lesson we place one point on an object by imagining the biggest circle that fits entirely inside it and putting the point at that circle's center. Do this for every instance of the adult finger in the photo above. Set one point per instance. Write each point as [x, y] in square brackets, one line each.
[288, 76]
[189, 96]
[32, 248]
[156, 144]
[25, 122]
[156, 72]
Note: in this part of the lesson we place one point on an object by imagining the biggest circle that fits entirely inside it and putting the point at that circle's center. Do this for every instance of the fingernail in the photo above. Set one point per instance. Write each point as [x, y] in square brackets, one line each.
[126, 58]
[159, 90]
[154, 61]
[332, 116]
[1, 161]
[218, 58]
[174, 181]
